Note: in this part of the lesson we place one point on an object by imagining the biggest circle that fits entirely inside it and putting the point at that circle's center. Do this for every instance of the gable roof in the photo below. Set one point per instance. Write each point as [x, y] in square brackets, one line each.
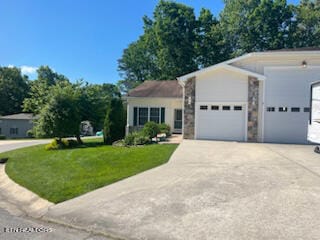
[280, 52]
[157, 89]
[19, 116]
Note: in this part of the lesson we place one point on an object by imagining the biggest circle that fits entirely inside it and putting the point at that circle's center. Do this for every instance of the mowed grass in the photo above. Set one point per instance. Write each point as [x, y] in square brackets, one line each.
[64, 174]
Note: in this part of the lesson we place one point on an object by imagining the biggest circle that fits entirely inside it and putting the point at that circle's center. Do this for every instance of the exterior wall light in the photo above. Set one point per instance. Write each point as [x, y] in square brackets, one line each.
[304, 64]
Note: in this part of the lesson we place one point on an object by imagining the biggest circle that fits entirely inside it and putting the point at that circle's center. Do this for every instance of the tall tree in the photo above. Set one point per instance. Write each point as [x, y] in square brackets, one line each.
[13, 89]
[39, 93]
[174, 27]
[271, 26]
[210, 45]
[94, 100]
[234, 19]
[166, 49]
[258, 25]
[308, 24]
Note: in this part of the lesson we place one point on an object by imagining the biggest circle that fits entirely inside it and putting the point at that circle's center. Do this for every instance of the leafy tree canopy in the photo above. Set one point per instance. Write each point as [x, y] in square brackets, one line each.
[175, 42]
[13, 89]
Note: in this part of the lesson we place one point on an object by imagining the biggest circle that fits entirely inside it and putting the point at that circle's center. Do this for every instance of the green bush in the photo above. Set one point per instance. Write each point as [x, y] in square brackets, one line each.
[54, 145]
[165, 128]
[114, 124]
[57, 144]
[129, 139]
[2, 137]
[136, 138]
[141, 139]
[30, 133]
[151, 129]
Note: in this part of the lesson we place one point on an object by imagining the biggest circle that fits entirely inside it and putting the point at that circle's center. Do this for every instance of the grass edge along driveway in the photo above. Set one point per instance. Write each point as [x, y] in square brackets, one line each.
[64, 174]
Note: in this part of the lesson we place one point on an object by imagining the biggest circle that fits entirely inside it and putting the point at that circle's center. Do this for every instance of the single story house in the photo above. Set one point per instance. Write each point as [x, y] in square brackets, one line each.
[158, 101]
[258, 97]
[16, 125]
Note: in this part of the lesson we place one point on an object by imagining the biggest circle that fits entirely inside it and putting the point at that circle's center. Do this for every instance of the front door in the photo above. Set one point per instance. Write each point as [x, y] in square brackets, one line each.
[177, 121]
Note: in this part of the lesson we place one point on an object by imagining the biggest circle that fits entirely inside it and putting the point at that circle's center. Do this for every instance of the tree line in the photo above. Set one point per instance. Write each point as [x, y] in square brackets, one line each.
[60, 105]
[176, 42]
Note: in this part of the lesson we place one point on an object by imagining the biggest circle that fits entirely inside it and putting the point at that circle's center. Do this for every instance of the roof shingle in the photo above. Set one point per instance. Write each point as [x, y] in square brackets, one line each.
[161, 89]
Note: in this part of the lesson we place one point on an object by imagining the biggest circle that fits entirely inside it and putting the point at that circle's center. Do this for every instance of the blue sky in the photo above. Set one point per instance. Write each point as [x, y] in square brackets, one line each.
[80, 39]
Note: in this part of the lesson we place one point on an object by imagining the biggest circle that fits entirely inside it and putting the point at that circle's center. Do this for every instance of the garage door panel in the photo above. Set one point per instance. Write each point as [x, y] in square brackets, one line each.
[287, 88]
[221, 124]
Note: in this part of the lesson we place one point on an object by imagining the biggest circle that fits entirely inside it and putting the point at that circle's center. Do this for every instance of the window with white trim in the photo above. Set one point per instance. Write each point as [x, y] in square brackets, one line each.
[203, 107]
[271, 109]
[226, 108]
[155, 115]
[215, 107]
[141, 115]
[295, 109]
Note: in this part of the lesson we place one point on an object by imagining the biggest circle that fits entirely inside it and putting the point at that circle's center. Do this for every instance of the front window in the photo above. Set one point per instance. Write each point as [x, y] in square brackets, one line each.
[155, 114]
[143, 116]
[13, 131]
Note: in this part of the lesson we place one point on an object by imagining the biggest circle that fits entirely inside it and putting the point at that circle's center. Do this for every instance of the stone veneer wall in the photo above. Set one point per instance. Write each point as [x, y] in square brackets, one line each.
[253, 109]
[189, 109]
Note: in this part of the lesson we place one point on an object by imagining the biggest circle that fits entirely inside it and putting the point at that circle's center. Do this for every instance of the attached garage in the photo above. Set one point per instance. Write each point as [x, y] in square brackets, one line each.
[287, 95]
[221, 121]
[271, 89]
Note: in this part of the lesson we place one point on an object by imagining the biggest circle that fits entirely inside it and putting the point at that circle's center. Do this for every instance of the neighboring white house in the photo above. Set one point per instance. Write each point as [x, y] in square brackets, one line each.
[258, 97]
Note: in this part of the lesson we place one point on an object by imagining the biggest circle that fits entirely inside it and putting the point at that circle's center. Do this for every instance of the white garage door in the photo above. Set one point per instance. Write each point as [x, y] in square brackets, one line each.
[221, 121]
[287, 94]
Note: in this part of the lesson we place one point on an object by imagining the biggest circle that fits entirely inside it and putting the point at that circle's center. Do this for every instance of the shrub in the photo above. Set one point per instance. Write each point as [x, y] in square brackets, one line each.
[151, 129]
[54, 145]
[2, 137]
[165, 128]
[129, 139]
[141, 139]
[30, 133]
[136, 138]
[114, 124]
[57, 144]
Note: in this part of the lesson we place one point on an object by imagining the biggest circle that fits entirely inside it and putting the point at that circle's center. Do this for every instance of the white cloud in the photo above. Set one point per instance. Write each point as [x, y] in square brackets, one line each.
[10, 66]
[28, 70]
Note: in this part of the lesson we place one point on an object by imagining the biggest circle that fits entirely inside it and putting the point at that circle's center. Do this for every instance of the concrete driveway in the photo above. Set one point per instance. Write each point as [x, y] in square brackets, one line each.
[8, 145]
[209, 190]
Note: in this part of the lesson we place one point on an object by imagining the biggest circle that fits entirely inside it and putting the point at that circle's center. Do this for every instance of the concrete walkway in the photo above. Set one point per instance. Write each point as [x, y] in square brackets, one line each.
[209, 190]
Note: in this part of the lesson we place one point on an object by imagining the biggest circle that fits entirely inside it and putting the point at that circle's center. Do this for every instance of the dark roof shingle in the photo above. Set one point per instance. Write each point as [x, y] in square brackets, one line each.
[161, 89]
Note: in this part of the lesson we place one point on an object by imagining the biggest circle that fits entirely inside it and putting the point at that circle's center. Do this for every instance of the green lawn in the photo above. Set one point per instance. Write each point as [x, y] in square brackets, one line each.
[61, 175]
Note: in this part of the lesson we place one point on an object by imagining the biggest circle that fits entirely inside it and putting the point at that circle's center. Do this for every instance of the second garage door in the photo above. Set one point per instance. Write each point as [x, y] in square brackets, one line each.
[221, 121]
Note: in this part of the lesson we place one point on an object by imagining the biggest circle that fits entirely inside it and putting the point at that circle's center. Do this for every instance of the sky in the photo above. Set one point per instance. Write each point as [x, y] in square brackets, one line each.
[79, 39]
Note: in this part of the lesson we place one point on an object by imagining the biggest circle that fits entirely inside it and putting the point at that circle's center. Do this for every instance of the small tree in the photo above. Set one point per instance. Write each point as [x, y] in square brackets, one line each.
[114, 124]
[61, 116]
